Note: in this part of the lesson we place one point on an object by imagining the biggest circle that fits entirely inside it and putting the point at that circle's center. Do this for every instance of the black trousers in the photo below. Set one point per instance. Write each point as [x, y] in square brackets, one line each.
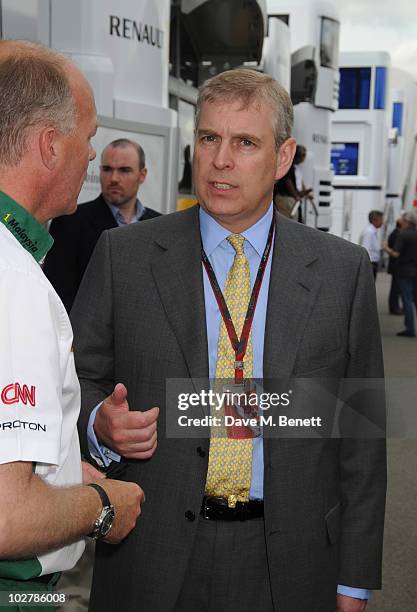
[228, 569]
[394, 295]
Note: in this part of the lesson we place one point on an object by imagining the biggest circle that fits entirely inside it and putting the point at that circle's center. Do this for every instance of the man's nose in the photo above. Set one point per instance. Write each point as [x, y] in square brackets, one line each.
[223, 157]
[114, 176]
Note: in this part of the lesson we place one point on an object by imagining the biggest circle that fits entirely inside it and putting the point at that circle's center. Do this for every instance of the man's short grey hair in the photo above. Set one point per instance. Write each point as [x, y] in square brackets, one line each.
[411, 217]
[250, 86]
[125, 142]
[34, 91]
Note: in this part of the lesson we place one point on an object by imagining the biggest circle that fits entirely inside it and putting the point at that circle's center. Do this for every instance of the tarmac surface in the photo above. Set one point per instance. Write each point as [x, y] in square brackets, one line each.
[399, 592]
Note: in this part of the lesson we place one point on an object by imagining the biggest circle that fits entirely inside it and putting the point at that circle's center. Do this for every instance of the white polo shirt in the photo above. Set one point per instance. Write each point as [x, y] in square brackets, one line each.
[369, 239]
[39, 390]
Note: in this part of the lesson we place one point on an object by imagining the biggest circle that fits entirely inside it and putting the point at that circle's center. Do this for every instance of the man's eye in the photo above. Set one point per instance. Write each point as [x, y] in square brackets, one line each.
[124, 170]
[208, 138]
[105, 168]
[246, 142]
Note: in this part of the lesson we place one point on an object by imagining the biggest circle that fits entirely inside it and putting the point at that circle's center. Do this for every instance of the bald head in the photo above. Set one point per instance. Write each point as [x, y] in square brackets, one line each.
[39, 87]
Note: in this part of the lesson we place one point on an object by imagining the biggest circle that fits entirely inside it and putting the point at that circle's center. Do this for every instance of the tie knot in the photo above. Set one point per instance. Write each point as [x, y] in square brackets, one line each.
[237, 241]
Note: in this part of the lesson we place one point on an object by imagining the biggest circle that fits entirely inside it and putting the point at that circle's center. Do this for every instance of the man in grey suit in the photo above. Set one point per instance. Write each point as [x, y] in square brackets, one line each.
[303, 528]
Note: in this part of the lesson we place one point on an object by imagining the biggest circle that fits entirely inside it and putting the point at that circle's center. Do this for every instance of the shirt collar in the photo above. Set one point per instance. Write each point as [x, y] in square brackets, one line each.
[139, 210]
[213, 234]
[33, 237]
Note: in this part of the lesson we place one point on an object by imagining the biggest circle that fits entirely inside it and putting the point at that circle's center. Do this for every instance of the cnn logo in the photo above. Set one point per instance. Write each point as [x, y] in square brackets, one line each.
[14, 393]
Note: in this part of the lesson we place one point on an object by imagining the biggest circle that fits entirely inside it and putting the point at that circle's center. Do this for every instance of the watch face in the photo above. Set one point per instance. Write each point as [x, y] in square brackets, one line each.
[107, 523]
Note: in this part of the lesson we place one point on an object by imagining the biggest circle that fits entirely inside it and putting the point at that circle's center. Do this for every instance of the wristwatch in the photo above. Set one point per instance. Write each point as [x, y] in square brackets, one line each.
[104, 522]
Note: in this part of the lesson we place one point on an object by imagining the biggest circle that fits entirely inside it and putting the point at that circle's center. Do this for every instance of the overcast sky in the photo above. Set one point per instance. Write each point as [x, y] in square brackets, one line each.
[381, 25]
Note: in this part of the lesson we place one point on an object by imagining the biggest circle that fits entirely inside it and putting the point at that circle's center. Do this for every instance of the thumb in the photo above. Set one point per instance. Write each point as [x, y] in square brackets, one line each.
[152, 414]
[119, 395]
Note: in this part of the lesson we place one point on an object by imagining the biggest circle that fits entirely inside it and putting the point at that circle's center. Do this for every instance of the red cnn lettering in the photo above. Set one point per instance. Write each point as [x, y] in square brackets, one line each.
[5, 394]
[25, 395]
[13, 393]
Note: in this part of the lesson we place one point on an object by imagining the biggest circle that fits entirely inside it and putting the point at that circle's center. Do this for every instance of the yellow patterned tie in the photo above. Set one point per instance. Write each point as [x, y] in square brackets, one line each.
[230, 460]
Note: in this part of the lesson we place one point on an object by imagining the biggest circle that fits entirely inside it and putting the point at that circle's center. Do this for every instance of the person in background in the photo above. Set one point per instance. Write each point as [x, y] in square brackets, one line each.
[290, 190]
[405, 250]
[369, 238]
[122, 172]
[185, 184]
[394, 305]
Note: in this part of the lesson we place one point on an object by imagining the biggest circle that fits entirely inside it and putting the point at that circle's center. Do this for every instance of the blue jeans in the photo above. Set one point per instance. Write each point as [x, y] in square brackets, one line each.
[408, 286]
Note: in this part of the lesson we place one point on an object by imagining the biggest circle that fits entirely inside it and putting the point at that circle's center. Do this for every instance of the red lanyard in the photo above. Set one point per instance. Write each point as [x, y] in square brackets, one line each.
[239, 346]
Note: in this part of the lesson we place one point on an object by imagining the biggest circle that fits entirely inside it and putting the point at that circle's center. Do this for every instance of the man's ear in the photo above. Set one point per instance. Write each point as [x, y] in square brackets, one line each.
[49, 147]
[285, 157]
[143, 174]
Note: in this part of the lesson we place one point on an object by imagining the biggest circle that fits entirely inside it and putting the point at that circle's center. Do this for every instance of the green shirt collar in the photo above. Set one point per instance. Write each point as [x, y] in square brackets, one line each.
[32, 235]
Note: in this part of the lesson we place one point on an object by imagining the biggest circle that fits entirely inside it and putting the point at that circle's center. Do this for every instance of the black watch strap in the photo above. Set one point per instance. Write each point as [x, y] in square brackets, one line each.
[103, 495]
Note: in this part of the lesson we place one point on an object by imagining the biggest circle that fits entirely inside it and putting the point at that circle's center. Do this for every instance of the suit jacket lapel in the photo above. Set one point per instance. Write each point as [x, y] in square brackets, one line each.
[293, 289]
[178, 276]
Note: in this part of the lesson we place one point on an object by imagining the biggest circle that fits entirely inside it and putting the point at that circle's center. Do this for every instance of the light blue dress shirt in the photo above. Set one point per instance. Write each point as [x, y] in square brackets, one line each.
[221, 255]
[119, 218]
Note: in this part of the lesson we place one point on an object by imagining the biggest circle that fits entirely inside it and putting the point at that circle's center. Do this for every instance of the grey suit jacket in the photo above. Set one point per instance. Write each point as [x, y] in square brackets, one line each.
[139, 318]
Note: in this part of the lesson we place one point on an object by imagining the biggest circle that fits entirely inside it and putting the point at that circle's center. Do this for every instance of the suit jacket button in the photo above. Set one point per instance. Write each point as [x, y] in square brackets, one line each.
[201, 452]
[190, 516]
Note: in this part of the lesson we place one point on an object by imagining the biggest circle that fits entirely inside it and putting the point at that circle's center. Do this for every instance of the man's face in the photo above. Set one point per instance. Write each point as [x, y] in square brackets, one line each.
[378, 222]
[120, 175]
[236, 163]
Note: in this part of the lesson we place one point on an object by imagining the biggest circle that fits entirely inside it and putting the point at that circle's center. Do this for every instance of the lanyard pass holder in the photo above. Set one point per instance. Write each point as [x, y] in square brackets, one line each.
[239, 371]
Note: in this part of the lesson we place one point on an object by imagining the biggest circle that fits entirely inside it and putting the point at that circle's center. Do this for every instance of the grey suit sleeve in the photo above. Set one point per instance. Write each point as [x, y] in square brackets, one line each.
[363, 461]
[92, 321]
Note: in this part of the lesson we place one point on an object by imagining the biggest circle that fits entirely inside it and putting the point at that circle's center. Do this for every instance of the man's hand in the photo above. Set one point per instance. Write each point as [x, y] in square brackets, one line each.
[132, 434]
[350, 604]
[126, 498]
[90, 473]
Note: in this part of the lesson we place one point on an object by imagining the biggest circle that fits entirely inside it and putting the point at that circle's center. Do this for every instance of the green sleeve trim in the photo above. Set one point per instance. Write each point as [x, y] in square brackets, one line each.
[23, 569]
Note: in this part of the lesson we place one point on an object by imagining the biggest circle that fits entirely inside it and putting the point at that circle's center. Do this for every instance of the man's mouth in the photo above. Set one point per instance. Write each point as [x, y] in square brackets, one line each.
[222, 186]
